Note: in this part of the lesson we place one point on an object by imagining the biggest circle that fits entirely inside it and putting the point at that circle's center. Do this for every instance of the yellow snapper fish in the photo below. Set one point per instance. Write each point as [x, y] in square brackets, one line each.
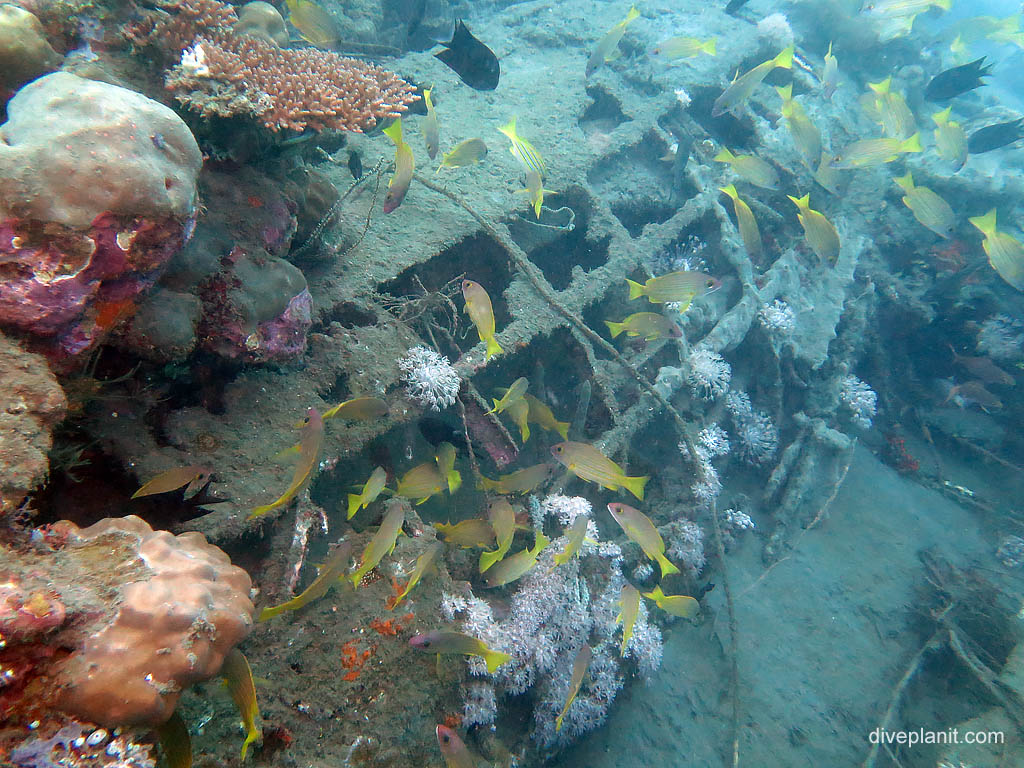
[430, 127]
[445, 458]
[441, 641]
[480, 311]
[682, 287]
[238, 676]
[1005, 252]
[519, 410]
[503, 522]
[891, 8]
[315, 25]
[574, 535]
[193, 477]
[513, 393]
[524, 150]
[518, 482]
[806, 136]
[639, 529]
[421, 482]
[535, 190]
[685, 47]
[311, 439]
[468, 152]
[588, 463]
[819, 232]
[371, 490]
[894, 115]
[405, 164]
[610, 42]
[649, 325]
[893, 27]
[746, 223]
[516, 566]
[629, 609]
[683, 606]
[579, 669]
[541, 415]
[866, 153]
[928, 208]
[335, 566]
[830, 75]
[175, 742]
[474, 533]
[383, 541]
[739, 90]
[826, 176]
[750, 168]
[358, 409]
[424, 563]
[950, 139]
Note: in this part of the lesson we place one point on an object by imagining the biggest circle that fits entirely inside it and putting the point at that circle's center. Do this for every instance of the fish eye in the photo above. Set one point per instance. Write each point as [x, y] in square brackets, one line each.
[425, 644]
[710, 283]
[445, 738]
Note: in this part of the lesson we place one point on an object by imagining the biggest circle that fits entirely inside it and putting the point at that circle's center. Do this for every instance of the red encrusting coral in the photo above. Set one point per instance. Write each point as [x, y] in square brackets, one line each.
[391, 627]
[353, 660]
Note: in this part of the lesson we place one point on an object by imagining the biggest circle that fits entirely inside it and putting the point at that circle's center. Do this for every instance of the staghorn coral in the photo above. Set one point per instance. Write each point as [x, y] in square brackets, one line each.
[286, 88]
[177, 23]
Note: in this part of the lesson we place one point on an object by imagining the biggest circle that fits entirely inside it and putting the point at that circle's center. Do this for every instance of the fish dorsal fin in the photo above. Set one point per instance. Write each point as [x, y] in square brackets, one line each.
[461, 36]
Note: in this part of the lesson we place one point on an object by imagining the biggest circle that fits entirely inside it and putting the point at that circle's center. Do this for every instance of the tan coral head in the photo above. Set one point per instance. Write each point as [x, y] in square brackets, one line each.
[186, 607]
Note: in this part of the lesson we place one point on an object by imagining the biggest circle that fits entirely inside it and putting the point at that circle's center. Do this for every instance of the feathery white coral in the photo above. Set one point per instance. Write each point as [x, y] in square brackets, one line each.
[1002, 338]
[737, 521]
[685, 545]
[775, 28]
[756, 434]
[859, 399]
[708, 374]
[714, 440]
[479, 706]
[429, 378]
[778, 318]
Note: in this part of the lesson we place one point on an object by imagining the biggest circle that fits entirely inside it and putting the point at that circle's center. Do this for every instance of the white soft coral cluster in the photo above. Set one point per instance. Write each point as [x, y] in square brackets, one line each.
[551, 615]
[1002, 338]
[685, 545]
[712, 442]
[860, 400]
[778, 318]
[707, 373]
[756, 434]
[429, 378]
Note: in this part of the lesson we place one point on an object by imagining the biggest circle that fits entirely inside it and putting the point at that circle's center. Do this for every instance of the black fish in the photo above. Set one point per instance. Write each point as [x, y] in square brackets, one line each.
[355, 165]
[957, 80]
[735, 5]
[471, 60]
[995, 136]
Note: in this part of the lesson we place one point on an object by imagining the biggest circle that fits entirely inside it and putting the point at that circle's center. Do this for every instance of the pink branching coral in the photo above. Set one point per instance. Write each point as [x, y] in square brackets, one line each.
[287, 88]
[179, 22]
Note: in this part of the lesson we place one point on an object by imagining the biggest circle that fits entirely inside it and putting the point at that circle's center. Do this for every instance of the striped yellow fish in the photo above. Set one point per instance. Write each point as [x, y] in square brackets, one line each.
[683, 606]
[515, 567]
[468, 152]
[424, 563]
[524, 150]
[928, 207]
[481, 312]
[371, 490]
[1005, 252]
[745, 223]
[421, 482]
[335, 566]
[806, 136]
[741, 87]
[238, 676]
[503, 522]
[819, 232]
[685, 47]
[383, 540]
[579, 669]
[405, 165]
[750, 168]
[430, 126]
[870, 152]
[588, 463]
[574, 535]
[520, 481]
[639, 529]
[682, 287]
[629, 609]
[310, 441]
[950, 139]
[543, 416]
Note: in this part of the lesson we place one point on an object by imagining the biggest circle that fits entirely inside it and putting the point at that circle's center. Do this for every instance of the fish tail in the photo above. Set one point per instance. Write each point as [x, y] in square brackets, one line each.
[394, 131]
[487, 559]
[710, 47]
[487, 484]
[724, 156]
[562, 428]
[785, 58]
[538, 203]
[353, 505]
[635, 485]
[495, 659]
[635, 289]
[558, 722]
[509, 129]
[493, 348]
[634, 13]
[615, 328]
[785, 93]
[525, 432]
[730, 190]
[258, 511]
[905, 182]
[913, 144]
[271, 611]
[986, 223]
[667, 566]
